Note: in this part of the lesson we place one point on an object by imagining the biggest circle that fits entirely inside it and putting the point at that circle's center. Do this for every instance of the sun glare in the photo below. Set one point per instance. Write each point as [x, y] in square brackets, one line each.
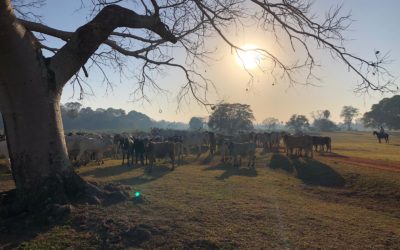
[248, 59]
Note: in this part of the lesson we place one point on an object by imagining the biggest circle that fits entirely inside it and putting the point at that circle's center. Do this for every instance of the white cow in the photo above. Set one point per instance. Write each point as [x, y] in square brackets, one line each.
[82, 146]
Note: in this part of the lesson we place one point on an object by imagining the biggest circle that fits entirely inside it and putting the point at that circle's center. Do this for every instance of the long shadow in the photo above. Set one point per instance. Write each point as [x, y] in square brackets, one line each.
[108, 171]
[232, 171]
[314, 172]
[330, 154]
[207, 160]
[156, 173]
[310, 171]
[279, 161]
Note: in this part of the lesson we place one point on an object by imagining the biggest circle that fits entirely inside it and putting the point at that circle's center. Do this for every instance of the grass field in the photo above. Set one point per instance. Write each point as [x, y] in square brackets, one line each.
[349, 199]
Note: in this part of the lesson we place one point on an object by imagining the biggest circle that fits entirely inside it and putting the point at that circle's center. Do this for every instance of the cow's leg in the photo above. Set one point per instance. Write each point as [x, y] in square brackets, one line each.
[172, 156]
[198, 151]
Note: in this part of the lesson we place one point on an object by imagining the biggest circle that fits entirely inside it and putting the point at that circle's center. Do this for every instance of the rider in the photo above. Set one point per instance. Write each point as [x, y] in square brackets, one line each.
[382, 131]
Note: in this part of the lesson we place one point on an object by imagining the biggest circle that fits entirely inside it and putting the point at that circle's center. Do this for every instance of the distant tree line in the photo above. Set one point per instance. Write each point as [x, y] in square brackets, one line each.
[76, 118]
[230, 117]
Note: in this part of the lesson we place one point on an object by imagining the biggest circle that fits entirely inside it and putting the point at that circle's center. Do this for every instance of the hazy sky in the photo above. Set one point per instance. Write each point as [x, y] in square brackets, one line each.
[375, 27]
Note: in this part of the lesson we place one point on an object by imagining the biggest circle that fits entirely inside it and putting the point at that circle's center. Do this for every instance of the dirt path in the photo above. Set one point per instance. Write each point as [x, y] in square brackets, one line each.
[363, 162]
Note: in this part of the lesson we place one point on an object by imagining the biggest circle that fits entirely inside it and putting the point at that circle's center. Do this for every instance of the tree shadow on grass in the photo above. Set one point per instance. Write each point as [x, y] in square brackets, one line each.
[310, 171]
[108, 171]
[207, 160]
[232, 171]
[314, 172]
[148, 176]
[334, 155]
[279, 161]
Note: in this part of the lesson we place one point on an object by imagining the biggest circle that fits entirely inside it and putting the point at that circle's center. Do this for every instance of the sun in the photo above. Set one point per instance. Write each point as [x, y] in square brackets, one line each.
[248, 59]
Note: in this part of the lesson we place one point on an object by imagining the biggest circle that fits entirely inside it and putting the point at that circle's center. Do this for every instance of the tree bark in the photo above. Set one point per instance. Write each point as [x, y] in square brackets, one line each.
[30, 105]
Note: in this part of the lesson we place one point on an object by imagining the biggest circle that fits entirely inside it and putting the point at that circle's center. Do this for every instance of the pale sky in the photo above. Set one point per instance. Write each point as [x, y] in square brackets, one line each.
[375, 27]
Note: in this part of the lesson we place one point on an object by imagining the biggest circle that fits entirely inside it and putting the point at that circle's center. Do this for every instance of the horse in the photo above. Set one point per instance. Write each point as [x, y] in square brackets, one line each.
[381, 136]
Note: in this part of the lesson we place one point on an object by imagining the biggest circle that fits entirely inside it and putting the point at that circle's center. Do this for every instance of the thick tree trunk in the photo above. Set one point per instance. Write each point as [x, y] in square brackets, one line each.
[38, 154]
[30, 105]
[35, 139]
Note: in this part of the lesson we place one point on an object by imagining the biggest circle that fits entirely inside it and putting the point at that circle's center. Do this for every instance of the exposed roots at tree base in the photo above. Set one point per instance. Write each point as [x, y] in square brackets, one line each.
[56, 195]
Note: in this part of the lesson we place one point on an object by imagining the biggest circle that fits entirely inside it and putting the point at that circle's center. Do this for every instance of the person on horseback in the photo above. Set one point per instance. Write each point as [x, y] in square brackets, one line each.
[382, 131]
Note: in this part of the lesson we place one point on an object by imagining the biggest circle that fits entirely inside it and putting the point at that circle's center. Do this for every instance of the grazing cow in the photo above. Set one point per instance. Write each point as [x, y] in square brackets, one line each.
[300, 143]
[160, 150]
[242, 149]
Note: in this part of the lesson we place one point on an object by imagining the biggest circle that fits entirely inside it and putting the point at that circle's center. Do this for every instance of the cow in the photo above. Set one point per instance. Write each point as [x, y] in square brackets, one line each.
[195, 139]
[212, 142]
[126, 146]
[221, 147]
[139, 150]
[300, 143]
[322, 142]
[160, 150]
[4, 152]
[242, 149]
[81, 146]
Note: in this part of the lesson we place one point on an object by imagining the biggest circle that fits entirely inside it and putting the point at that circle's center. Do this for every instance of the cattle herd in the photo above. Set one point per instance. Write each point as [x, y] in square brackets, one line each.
[146, 148]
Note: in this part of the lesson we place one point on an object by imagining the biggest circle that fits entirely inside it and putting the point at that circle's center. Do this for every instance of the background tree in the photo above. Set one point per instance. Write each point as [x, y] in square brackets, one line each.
[270, 123]
[324, 125]
[322, 122]
[196, 123]
[72, 109]
[231, 118]
[348, 113]
[326, 114]
[298, 123]
[31, 83]
[385, 113]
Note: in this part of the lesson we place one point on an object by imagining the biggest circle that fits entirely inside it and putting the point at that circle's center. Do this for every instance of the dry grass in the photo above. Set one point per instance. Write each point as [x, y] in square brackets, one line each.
[326, 202]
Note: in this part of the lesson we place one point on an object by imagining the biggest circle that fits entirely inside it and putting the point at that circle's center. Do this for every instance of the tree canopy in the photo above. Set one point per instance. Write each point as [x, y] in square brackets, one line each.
[231, 118]
[270, 123]
[348, 113]
[385, 113]
[196, 123]
[188, 24]
[298, 123]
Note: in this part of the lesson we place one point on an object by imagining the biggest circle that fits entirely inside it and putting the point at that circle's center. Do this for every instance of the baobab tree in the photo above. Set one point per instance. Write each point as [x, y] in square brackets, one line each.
[32, 80]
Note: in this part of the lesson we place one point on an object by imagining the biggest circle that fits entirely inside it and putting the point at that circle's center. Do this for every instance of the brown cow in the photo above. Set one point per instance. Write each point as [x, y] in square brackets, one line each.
[300, 143]
[161, 150]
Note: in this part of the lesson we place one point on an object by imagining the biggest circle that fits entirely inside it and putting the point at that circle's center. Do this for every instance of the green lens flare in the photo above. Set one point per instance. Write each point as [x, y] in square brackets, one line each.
[137, 194]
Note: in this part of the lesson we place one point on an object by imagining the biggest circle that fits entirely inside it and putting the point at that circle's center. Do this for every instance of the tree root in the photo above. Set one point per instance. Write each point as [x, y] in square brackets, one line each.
[55, 196]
